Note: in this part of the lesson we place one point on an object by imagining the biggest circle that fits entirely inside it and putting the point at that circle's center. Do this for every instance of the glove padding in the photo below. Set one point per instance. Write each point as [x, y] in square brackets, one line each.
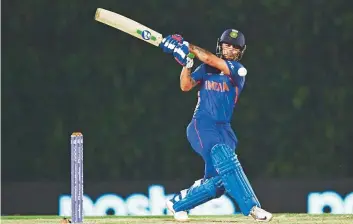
[169, 43]
[181, 52]
[189, 62]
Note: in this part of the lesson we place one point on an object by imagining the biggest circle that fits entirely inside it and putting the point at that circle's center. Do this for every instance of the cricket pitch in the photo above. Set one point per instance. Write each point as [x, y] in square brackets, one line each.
[236, 219]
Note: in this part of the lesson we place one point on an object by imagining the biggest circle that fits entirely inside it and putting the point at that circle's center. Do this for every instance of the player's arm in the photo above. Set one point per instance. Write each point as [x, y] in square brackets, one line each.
[186, 81]
[180, 51]
[209, 58]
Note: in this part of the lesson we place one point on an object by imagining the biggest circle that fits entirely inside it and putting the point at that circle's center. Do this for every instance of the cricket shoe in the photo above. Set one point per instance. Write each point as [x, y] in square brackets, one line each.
[260, 215]
[181, 216]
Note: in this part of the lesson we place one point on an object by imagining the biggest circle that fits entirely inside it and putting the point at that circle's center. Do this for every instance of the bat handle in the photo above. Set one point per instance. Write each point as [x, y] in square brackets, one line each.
[191, 55]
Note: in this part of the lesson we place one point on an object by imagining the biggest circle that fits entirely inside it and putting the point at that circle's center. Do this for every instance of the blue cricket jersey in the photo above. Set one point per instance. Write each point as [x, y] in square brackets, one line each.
[218, 93]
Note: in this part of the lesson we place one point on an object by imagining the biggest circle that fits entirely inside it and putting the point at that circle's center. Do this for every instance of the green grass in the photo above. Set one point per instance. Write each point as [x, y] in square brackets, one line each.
[236, 219]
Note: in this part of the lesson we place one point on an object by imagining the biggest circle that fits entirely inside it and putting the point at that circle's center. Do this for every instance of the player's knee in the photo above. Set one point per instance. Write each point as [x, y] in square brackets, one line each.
[224, 158]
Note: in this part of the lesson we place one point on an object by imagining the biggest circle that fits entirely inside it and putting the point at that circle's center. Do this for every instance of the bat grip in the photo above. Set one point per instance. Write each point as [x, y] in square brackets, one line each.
[191, 55]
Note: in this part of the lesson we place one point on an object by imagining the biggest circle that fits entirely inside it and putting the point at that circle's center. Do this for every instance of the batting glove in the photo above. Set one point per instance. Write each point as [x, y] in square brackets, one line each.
[169, 43]
[189, 62]
[181, 52]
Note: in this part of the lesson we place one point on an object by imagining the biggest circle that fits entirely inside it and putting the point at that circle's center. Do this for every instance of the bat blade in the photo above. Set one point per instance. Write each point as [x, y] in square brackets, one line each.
[128, 26]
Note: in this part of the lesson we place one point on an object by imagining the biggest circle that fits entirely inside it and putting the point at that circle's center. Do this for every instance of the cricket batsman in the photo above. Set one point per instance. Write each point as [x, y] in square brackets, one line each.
[220, 79]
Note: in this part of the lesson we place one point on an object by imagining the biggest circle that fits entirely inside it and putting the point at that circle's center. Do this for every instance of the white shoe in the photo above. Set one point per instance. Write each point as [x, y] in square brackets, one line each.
[260, 215]
[181, 216]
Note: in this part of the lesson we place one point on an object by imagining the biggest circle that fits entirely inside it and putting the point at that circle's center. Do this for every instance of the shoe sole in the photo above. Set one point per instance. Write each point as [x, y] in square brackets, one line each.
[170, 208]
[266, 220]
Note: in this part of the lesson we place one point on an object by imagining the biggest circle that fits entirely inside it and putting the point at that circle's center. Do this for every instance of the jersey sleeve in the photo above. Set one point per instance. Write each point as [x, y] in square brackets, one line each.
[237, 71]
[198, 73]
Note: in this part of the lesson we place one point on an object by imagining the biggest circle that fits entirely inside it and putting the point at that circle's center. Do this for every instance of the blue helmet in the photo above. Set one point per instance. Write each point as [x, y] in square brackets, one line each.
[233, 37]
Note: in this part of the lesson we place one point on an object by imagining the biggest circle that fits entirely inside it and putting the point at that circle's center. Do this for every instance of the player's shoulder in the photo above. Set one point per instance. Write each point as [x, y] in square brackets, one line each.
[206, 68]
[237, 67]
[236, 64]
[201, 66]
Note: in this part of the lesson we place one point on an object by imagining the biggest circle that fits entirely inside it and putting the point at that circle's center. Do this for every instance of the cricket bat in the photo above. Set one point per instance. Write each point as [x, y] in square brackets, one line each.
[130, 26]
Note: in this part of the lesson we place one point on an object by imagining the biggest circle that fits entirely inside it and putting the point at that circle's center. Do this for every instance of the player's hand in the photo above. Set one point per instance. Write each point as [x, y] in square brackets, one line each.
[181, 52]
[169, 43]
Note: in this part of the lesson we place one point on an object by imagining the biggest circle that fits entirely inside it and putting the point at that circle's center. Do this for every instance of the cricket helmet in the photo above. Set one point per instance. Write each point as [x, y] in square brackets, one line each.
[233, 37]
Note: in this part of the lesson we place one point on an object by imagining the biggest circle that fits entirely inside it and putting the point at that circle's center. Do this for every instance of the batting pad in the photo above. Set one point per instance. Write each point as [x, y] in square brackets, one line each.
[199, 194]
[234, 179]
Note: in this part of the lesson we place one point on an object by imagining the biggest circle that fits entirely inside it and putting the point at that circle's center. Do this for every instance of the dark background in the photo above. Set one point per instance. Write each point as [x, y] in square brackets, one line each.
[63, 72]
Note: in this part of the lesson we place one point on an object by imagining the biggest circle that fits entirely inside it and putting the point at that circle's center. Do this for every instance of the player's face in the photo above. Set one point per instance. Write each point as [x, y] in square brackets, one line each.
[230, 52]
